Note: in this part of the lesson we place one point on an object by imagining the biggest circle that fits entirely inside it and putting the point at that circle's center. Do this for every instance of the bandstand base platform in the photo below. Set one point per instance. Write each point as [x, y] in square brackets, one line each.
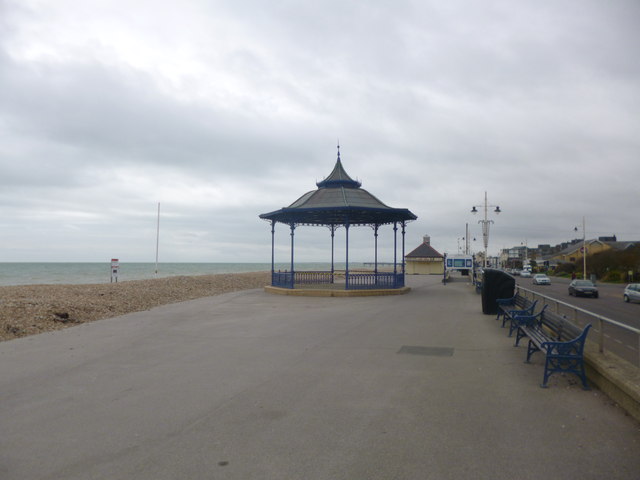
[334, 292]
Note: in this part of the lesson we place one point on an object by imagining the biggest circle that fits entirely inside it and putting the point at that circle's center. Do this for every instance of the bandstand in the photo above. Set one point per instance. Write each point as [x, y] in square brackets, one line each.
[339, 201]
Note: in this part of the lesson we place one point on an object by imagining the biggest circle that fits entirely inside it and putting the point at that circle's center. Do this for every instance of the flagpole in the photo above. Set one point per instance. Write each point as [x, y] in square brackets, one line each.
[157, 238]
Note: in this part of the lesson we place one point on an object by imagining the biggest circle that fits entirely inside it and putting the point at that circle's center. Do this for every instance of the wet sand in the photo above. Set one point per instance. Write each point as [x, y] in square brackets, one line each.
[31, 309]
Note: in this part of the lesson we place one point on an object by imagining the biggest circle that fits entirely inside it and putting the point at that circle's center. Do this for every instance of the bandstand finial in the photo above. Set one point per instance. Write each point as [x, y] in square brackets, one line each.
[338, 149]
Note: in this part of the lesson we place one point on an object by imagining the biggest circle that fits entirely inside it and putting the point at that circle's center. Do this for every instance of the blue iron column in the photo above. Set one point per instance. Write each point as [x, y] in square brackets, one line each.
[346, 272]
[273, 234]
[333, 234]
[375, 236]
[395, 247]
[403, 264]
[293, 227]
[395, 254]
[403, 232]
[375, 265]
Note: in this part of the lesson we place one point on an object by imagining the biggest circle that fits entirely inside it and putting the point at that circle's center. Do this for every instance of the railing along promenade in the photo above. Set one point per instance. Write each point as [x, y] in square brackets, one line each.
[630, 350]
[352, 280]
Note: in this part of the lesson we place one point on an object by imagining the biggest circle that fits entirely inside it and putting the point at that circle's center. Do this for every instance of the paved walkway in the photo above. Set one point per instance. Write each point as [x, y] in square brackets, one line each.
[256, 386]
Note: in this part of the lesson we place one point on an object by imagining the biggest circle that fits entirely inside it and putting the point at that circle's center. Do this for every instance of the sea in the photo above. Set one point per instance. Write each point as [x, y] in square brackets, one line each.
[15, 273]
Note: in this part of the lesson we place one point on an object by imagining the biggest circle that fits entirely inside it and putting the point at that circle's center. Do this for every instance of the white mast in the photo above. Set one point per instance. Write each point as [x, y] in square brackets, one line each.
[157, 238]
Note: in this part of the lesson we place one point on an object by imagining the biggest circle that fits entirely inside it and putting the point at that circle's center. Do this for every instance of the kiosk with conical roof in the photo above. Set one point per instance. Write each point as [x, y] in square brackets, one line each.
[339, 201]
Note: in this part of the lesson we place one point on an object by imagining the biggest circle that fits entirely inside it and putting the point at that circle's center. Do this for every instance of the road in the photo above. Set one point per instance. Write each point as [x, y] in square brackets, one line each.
[609, 304]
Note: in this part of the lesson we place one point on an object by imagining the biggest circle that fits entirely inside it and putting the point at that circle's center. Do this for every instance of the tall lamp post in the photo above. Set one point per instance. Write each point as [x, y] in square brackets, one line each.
[485, 224]
[584, 248]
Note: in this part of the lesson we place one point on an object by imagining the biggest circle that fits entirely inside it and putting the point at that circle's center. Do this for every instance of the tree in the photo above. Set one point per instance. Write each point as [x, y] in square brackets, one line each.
[613, 265]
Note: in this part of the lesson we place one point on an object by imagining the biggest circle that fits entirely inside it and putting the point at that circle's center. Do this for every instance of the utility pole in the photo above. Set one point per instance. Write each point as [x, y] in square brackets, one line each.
[584, 248]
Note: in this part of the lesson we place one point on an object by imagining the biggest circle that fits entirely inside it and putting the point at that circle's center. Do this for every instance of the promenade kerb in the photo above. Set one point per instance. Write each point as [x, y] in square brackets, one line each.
[248, 385]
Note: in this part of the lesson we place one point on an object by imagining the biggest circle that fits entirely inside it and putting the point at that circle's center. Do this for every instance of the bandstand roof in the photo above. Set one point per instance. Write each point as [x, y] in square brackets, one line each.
[339, 200]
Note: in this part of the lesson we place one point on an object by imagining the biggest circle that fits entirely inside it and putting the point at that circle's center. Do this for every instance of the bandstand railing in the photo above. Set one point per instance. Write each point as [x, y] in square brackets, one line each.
[339, 279]
[282, 279]
[314, 278]
[362, 281]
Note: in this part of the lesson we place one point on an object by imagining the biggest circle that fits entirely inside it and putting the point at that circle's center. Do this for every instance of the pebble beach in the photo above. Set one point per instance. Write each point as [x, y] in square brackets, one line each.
[32, 309]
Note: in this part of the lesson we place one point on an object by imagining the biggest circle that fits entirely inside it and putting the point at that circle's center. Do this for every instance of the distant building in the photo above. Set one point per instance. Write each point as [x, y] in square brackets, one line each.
[544, 249]
[612, 238]
[573, 251]
[424, 260]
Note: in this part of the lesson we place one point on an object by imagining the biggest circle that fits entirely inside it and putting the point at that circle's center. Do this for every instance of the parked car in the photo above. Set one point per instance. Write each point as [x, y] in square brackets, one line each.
[632, 293]
[541, 279]
[583, 288]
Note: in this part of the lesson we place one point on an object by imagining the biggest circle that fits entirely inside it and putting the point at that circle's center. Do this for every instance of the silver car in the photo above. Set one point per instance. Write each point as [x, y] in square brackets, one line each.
[541, 279]
[632, 293]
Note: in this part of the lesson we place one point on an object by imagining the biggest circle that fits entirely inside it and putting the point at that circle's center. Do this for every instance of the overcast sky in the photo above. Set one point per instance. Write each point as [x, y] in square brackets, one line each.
[222, 110]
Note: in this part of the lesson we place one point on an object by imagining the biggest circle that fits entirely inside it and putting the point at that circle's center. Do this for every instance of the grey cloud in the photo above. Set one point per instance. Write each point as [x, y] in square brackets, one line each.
[433, 103]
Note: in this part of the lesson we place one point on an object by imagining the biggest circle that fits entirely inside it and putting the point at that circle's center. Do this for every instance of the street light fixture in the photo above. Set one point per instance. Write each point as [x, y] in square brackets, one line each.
[485, 224]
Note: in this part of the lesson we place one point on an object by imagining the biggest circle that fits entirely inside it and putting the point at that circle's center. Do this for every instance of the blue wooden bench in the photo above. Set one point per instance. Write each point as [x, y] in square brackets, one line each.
[516, 305]
[524, 317]
[560, 340]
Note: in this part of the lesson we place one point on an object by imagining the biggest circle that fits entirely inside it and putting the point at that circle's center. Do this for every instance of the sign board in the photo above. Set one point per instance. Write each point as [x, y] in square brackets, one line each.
[115, 265]
[460, 262]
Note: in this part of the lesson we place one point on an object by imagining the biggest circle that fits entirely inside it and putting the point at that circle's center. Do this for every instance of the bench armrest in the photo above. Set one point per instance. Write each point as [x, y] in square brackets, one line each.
[506, 301]
[572, 347]
[525, 320]
[528, 318]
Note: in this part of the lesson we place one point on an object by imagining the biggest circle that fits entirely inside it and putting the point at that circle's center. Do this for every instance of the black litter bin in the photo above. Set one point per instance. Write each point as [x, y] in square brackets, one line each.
[496, 284]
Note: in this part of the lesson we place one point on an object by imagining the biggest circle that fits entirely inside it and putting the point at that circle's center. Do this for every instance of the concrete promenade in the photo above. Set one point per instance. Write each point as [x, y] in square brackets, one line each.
[250, 385]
